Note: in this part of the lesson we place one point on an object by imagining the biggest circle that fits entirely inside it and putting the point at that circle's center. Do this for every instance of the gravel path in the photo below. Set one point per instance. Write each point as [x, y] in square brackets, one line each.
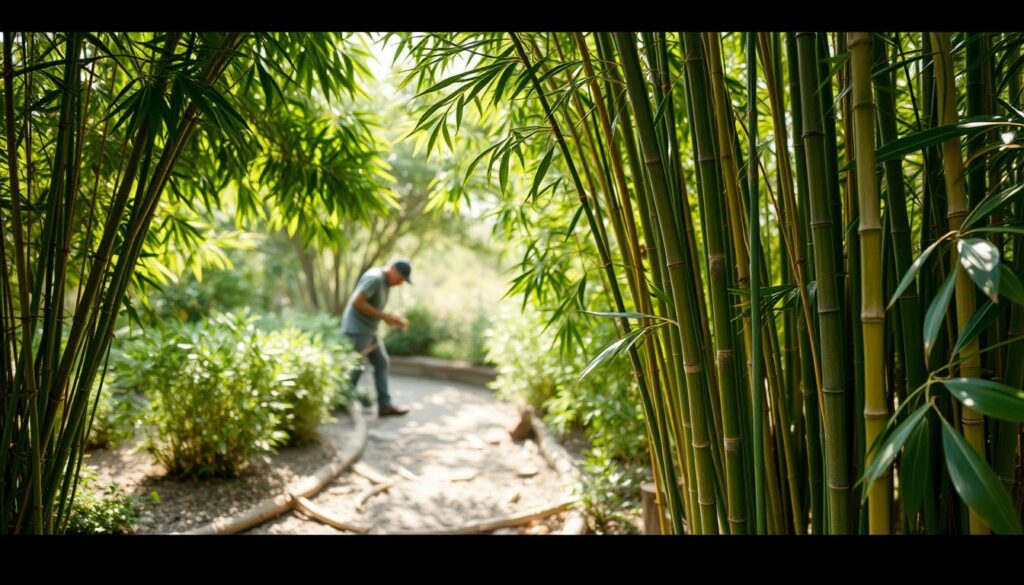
[450, 462]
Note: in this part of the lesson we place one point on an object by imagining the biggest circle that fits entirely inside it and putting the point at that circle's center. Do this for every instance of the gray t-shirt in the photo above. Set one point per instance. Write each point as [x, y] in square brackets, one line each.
[374, 286]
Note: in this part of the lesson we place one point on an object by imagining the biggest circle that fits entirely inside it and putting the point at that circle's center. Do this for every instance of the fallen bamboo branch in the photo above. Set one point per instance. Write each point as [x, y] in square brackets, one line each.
[366, 470]
[277, 505]
[405, 473]
[383, 487]
[317, 513]
[495, 523]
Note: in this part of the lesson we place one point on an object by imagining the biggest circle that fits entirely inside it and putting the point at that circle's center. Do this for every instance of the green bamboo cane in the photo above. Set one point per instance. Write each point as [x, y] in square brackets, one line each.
[850, 291]
[828, 124]
[973, 422]
[602, 245]
[676, 266]
[712, 196]
[642, 294]
[805, 327]
[675, 381]
[833, 379]
[876, 410]
[141, 217]
[25, 371]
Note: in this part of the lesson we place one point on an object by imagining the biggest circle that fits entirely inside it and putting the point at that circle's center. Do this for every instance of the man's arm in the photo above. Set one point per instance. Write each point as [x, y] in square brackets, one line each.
[362, 304]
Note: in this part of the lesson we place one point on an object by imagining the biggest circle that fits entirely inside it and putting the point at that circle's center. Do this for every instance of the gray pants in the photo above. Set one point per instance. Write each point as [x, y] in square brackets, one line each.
[379, 358]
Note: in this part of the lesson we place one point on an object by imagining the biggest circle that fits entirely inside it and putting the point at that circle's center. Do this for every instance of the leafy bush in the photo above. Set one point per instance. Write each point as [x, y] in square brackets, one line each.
[117, 416]
[223, 391]
[459, 339]
[604, 404]
[213, 400]
[310, 373]
[423, 332]
[465, 340]
[93, 512]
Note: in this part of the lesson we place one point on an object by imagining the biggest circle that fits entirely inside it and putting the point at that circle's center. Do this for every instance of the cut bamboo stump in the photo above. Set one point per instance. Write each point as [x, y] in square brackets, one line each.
[652, 511]
[308, 486]
[524, 428]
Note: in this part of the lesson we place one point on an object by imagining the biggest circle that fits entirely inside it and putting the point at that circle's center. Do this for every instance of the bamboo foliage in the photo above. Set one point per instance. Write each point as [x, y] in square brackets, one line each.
[791, 234]
[760, 442]
[95, 128]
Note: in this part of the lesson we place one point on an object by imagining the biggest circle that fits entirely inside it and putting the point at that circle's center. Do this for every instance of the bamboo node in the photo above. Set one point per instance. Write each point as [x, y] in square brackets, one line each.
[692, 368]
[732, 444]
[838, 391]
[858, 40]
[957, 213]
[811, 133]
[701, 444]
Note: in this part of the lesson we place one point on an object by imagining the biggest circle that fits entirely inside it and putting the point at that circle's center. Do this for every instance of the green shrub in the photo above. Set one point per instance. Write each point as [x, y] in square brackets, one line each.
[117, 416]
[464, 341]
[94, 512]
[222, 390]
[214, 403]
[116, 419]
[605, 404]
[529, 369]
[423, 332]
[311, 374]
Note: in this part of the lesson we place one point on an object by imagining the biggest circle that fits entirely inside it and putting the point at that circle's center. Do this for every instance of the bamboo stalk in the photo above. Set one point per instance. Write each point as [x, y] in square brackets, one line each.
[876, 411]
[676, 265]
[833, 379]
[973, 422]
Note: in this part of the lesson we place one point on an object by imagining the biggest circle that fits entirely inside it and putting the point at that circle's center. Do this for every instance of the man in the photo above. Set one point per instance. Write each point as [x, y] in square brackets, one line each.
[363, 313]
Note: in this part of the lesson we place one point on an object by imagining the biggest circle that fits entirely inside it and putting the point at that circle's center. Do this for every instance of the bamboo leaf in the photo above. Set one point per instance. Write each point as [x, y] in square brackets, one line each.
[575, 220]
[503, 170]
[627, 315]
[932, 136]
[915, 466]
[499, 88]
[936, 314]
[988, 397]
[981, 260]
[889, 445]
[977, 484]
[908, 278]
[1010, 285]
[984, 317]
[542, 169]
[612, 350]
[990, 205]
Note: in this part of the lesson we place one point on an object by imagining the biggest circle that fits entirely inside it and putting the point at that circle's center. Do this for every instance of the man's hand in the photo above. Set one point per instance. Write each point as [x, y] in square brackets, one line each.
[396, 322]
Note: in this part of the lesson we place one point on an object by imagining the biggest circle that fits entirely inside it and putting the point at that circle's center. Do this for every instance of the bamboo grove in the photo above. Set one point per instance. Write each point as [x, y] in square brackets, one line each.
[111, 143]
[811, 243]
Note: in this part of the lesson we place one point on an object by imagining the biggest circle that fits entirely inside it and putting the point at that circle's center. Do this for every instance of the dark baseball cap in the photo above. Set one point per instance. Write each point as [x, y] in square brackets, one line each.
[404, 268]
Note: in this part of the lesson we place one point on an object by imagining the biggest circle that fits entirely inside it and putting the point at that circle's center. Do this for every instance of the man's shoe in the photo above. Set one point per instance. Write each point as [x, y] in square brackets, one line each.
[392, 411]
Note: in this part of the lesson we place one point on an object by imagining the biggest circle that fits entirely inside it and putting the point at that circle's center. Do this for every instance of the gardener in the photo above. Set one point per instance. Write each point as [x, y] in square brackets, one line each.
[364, 311]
